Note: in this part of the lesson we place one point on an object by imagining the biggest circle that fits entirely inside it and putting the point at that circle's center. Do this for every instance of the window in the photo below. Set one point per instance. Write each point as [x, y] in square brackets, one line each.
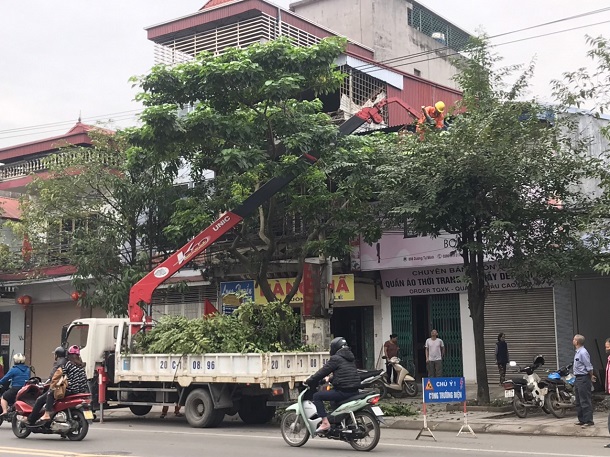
[77, 336]
[61, 232]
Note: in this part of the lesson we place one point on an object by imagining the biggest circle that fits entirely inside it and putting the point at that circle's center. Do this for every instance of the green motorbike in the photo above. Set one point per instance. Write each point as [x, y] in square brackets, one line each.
[355, 420]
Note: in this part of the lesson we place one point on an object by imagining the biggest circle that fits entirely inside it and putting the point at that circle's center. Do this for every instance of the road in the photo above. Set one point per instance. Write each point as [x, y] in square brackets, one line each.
[150, 437]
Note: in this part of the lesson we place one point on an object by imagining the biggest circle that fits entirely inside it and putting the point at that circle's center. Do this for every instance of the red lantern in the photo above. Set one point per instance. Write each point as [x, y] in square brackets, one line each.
[24, 301]
[75, 296]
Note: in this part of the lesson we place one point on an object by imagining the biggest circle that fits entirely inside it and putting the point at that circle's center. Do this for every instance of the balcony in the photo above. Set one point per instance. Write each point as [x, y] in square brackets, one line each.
[23, 168]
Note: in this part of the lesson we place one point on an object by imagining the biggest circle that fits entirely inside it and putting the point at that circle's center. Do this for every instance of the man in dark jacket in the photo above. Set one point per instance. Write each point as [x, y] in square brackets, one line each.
[60, 361]
[345, 380]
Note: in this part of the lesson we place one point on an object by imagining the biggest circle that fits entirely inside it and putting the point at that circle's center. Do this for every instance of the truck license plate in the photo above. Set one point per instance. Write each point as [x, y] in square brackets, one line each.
[509, 393]
[377, 410]
[88, 415]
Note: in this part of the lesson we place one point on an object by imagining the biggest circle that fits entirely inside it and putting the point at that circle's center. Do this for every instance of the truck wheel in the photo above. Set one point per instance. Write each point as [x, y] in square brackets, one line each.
[254, 410]
[199, 409]
[140, 410]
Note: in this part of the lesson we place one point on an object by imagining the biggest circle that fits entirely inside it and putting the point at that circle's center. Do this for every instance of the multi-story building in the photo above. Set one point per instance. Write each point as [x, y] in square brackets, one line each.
[37, 300]
[403, 34]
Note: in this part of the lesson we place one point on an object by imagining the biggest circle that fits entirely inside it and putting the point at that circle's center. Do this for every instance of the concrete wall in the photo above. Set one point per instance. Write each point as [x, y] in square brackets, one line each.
[382, 26]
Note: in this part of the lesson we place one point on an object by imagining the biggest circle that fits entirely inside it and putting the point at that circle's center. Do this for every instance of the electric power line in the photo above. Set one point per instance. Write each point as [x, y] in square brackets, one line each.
[496, 45]
[445, 48]
[362, 68]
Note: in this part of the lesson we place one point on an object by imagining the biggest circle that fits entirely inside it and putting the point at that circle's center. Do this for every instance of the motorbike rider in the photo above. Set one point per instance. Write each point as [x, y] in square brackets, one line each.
[345, 379]
[60, 361]
[17, 376]
[74, 369]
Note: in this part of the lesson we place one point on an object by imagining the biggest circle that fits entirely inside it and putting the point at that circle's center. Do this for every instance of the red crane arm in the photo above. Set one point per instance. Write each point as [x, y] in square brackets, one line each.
[142, 291]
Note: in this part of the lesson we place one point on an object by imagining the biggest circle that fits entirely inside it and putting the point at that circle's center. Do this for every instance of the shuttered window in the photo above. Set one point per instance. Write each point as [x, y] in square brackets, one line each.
[188, 303]
[528, 320]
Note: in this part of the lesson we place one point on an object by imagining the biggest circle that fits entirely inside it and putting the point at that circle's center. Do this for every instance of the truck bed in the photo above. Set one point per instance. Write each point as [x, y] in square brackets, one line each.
[254, 368]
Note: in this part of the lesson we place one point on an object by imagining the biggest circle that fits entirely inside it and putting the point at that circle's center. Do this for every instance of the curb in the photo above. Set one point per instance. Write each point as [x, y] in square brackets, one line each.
[506, 429]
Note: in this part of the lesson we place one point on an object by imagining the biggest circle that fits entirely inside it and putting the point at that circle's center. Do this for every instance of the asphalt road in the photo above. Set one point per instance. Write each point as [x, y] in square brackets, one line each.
[151, 437]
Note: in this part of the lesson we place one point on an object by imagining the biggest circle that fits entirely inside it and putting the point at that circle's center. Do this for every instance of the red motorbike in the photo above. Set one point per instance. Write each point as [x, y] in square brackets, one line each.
[70, 418]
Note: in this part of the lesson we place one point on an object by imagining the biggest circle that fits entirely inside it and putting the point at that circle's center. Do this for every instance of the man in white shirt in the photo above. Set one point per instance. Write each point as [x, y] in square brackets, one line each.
[435, 351]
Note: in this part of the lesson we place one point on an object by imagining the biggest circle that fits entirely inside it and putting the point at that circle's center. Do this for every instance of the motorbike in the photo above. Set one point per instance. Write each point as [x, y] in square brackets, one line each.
[560, 396]
[406, 385]
[70, 418]
[373, 380]
[527, 391]
[354, 420]
[8, 417]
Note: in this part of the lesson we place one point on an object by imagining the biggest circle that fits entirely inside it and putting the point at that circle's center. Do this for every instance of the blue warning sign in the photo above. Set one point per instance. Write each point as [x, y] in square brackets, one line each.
[444, 390]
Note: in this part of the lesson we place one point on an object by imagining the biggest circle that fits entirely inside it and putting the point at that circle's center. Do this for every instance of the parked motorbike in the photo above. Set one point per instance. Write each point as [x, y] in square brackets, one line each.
[70, 418]
[373, 380]
[560, 396]
[527, 391]
[378, 381]
[355, 421]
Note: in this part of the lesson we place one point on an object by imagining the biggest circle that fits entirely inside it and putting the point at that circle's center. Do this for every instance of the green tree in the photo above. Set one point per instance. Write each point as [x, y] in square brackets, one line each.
[100, 210]
[503, 179]
[590, 91]
[249, 114]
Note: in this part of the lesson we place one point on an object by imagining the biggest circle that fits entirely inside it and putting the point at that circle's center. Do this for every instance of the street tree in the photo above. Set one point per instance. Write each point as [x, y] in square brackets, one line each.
[589, 90]
[504, 179]
[240, 118]
[99, 210]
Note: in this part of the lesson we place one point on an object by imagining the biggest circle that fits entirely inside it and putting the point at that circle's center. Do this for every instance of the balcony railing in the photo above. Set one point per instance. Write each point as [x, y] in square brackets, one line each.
[39, 164]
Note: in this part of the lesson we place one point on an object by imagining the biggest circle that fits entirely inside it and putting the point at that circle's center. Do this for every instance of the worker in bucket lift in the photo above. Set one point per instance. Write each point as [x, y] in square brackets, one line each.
[433, 115]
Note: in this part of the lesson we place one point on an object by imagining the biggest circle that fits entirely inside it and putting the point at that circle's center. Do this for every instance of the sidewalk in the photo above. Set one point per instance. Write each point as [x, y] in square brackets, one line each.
[536, 422]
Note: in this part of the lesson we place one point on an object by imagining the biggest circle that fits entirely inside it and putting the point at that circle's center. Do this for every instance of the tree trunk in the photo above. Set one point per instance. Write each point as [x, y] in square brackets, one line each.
[477, 293]
[476, 303]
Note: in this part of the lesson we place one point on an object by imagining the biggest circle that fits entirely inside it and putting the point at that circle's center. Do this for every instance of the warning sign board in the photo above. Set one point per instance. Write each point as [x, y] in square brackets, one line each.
[444, 390]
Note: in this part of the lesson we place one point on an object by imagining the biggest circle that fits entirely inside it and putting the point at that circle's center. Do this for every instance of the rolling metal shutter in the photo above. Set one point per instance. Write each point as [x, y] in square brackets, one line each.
[528, 319]
[188, 303]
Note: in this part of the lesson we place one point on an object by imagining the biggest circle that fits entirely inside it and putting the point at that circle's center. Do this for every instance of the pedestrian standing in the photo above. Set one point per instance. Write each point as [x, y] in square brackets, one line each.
[502, 356]
[435, 352]
[390, 349]
[583, 371]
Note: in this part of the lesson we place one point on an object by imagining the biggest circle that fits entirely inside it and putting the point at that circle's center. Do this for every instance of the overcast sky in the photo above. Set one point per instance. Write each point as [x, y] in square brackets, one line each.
[67, 57]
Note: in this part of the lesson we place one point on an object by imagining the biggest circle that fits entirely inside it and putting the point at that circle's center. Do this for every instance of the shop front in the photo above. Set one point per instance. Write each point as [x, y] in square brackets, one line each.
[422, 299]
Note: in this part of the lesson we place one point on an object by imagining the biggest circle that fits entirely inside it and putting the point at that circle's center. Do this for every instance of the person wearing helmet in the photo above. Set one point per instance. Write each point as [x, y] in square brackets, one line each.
[60, 360]
[17, 377]
[345, 379]
[433, 115]
[74, 369]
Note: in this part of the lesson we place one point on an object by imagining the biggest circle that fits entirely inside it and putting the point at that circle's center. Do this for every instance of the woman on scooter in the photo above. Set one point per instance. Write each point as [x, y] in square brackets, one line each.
[18, 375]
[346, 379]
[74, 369]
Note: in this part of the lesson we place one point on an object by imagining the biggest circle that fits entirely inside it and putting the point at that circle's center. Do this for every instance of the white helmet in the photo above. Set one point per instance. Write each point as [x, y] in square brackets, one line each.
[18, 358]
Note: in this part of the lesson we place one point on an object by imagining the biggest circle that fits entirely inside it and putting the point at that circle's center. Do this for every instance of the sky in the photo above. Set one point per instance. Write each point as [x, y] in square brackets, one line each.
[65, 59]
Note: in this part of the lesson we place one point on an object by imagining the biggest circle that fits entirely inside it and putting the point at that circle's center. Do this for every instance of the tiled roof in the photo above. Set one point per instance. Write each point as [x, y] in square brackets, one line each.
[212, 3]
[9, 208]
